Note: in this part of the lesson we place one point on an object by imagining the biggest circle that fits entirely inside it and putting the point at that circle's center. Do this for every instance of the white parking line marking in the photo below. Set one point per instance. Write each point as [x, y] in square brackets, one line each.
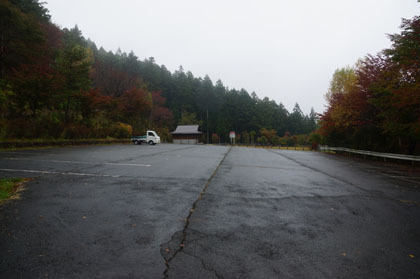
[120, 164]
[76, 162]
[28, 153]
[62, 173]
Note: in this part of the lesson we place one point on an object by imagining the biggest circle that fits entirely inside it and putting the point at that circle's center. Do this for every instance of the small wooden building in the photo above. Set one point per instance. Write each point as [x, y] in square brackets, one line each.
[187, 134]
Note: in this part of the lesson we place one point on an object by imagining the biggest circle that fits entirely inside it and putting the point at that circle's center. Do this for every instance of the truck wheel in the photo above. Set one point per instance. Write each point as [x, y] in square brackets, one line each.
[150, 142]
[136, 142]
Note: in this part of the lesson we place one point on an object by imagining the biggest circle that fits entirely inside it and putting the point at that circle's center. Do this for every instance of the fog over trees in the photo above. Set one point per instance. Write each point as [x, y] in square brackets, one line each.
[57, 84]
[54, 83]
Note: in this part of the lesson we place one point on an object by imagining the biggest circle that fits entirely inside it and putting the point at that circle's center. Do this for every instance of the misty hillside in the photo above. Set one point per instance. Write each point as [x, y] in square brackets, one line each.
[57, 84]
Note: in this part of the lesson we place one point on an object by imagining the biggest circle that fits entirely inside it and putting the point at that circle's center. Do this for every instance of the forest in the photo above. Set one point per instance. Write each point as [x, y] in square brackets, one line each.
[56, 84]
[375, 104]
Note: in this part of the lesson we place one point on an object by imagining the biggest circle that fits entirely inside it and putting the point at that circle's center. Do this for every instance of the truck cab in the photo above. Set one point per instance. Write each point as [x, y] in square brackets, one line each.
[152, 137]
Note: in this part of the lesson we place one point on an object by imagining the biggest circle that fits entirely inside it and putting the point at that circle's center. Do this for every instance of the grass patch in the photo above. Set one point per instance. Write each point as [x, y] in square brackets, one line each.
[328, 151]
[10, 188]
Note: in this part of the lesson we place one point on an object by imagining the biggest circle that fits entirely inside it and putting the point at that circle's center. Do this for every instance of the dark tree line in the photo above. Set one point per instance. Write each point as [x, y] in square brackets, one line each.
[217, 108]
[54, 83]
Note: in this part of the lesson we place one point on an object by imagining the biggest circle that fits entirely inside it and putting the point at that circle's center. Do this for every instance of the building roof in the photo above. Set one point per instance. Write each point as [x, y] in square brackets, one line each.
[186, 129]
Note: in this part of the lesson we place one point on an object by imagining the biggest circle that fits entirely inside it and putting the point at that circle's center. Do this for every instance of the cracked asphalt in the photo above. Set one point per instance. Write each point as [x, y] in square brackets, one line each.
[194, 211]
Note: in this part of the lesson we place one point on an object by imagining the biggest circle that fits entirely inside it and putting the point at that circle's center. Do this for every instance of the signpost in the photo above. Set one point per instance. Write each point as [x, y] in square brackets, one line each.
[232, 137]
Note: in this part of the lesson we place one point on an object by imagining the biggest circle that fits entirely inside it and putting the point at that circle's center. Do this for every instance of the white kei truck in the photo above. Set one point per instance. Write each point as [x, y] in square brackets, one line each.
[151, 138]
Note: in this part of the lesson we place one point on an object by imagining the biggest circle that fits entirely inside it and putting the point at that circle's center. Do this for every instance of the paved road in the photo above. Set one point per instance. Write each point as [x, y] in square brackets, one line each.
[183, 211]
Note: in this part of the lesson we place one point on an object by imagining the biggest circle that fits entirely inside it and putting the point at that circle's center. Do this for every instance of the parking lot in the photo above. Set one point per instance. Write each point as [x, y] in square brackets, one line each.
[196, 211]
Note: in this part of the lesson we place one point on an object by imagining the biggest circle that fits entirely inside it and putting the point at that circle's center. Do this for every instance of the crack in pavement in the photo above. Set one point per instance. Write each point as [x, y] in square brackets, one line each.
[313, 196]
[203, 264]
[268, 167]
[376, 195]
[182, 235]
[323, 172]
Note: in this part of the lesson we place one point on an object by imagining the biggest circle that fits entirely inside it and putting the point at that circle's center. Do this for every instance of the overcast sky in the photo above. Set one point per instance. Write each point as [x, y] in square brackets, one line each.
[283, 49]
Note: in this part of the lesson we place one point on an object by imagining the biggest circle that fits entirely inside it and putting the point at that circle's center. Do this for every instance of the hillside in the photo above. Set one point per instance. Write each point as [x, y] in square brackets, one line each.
[54, 83]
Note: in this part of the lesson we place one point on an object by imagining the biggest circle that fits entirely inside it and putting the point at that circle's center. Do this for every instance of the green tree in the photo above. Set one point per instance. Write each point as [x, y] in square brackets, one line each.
[33, 7]
[21, 37]
[252, 136]
[245, 137]
[73, 63]
[296, 120]
[262, 140]
[342, 82]
[399, 100]
[189, 119]
[315, 140]
[270, 135]
[205, 101]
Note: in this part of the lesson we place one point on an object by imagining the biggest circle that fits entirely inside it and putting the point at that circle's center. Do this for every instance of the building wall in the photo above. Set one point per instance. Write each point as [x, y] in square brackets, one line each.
[185, 141]
[186, 138]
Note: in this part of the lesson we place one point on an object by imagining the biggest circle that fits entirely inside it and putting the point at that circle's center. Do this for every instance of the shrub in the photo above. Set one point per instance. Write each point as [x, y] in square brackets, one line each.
[120, 130]
[215, 138]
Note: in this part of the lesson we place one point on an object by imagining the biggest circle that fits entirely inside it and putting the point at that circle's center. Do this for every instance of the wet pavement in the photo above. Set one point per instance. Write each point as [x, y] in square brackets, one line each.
[194, 211]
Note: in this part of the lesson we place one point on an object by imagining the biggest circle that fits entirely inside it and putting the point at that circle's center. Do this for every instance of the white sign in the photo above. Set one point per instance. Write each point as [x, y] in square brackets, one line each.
[232, 135]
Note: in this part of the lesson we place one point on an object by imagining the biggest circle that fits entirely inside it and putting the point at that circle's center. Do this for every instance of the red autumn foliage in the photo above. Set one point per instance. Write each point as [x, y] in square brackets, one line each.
[160, 115]
[37, 85]
[93, 101]
[382, 109]
[135, 106]
[112, 80]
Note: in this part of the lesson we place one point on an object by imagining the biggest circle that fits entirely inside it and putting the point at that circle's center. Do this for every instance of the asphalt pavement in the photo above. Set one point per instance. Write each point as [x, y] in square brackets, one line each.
[196, 211]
